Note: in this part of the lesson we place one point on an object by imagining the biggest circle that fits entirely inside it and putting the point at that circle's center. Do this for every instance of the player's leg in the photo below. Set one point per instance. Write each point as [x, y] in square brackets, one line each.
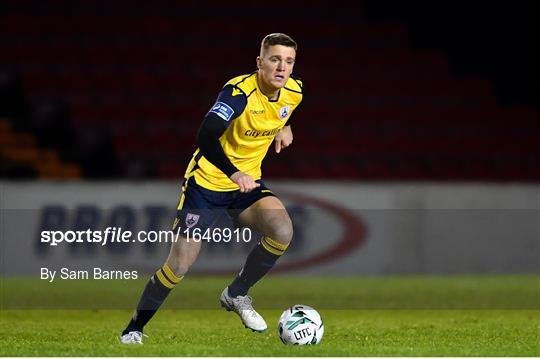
[269, 217]
[182, 255]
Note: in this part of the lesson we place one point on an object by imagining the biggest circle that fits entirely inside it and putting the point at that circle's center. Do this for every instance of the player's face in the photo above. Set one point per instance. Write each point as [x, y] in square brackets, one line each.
[276, 65]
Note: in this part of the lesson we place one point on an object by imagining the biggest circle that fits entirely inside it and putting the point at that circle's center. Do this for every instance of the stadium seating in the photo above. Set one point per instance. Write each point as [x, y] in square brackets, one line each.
[20, 154]
[145, 73]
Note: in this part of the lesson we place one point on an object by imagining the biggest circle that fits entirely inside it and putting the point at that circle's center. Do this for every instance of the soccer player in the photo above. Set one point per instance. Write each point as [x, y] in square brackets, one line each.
[250, 112]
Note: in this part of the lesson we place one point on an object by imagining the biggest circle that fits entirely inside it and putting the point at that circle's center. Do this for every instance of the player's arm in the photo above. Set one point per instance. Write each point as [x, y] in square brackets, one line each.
[216, 121]
[284, 138]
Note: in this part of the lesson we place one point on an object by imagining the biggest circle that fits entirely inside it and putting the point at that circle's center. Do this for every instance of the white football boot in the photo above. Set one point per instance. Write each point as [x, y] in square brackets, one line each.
[132, 338]
[241, 305]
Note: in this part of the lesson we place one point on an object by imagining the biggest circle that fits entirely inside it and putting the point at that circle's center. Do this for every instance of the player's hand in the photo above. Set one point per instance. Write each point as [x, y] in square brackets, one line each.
[244, 181]
[283, 138]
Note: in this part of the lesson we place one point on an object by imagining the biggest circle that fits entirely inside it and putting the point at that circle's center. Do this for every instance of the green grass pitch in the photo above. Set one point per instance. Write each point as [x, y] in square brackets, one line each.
[387, 316]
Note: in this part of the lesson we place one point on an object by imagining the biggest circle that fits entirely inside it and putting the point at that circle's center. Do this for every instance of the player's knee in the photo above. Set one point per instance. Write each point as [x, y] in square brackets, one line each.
[179, 268]
[282, 230]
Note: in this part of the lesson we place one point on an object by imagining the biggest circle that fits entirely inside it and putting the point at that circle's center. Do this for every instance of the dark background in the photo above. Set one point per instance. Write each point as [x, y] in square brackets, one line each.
[394, 90]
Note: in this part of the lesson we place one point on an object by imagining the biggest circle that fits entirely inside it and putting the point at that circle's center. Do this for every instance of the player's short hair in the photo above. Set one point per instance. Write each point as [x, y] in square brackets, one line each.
[278, 38]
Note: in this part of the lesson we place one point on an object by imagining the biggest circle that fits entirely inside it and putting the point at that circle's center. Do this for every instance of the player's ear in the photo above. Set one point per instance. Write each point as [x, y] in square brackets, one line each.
[259, 62]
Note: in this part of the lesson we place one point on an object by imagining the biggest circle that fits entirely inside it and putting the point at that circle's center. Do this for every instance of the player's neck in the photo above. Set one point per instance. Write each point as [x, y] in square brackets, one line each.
[270, 92]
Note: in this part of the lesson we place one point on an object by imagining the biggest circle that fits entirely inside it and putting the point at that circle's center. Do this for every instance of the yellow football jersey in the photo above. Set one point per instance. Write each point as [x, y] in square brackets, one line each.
[249, 134]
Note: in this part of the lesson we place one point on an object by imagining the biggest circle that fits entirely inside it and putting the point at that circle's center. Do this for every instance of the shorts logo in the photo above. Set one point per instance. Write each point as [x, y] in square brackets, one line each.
[222, 110]
[192, 219]
[284, 112]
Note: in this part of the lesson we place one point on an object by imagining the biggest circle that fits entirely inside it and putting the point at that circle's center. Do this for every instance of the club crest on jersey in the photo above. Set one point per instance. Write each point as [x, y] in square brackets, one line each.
[192, 219]
[284, 111]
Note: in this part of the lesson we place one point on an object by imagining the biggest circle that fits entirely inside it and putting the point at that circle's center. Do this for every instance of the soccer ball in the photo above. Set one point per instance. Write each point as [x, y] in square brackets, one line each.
[300, 325]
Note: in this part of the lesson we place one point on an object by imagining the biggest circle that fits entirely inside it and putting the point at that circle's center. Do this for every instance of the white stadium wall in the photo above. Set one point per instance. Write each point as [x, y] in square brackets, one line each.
[341, 228]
